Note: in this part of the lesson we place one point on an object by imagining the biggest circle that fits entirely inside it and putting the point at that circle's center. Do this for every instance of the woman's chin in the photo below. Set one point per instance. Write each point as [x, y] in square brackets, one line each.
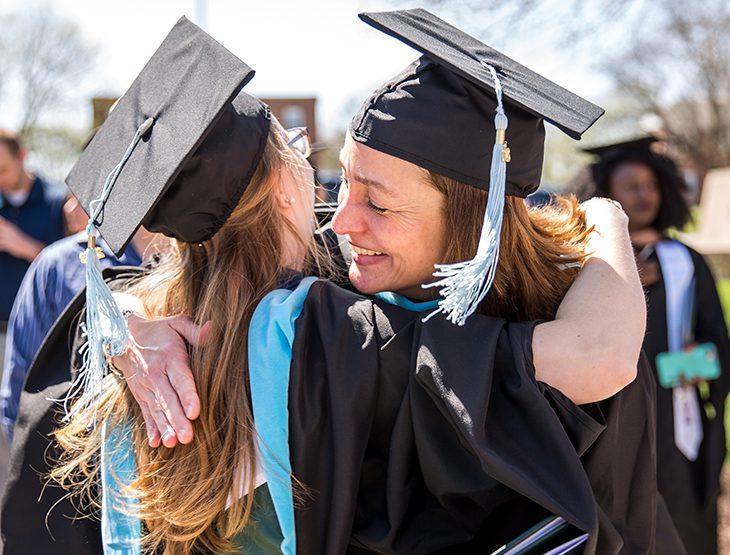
[364, 283]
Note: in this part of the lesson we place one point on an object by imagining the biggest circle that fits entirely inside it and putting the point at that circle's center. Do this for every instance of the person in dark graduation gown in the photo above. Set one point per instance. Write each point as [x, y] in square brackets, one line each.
[650, 188]
[691, 488]
[461, 449]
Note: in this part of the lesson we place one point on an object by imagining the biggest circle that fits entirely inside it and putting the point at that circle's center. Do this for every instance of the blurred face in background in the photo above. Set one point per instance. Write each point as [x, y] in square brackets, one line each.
[12, 173]
[636, 187]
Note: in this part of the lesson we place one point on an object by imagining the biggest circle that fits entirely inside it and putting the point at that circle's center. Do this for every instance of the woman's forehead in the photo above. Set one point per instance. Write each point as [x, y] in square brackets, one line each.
[378, 170]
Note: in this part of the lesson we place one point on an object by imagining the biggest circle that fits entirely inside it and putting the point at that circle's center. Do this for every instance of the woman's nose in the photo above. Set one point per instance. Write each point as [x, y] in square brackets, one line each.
[347, 219]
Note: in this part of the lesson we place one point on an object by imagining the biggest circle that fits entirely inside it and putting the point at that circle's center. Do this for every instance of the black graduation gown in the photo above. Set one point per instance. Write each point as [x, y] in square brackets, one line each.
[691, 489]
[435, 438]
[35, 518]
[389, 456]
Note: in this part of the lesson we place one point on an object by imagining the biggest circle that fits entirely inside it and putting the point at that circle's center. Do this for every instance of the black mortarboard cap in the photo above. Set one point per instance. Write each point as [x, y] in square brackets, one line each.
[187, 173]
[634, 145]
[439, 112]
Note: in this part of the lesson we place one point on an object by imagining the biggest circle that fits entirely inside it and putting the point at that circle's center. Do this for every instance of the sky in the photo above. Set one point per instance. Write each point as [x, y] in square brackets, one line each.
[307, 48]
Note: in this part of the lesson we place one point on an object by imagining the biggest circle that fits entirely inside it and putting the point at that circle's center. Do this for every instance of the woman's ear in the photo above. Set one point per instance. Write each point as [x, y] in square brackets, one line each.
[283, 200]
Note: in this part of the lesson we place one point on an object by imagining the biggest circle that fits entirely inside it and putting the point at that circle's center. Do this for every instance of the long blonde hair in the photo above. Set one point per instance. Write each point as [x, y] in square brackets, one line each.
[184, 492]
[541, 249]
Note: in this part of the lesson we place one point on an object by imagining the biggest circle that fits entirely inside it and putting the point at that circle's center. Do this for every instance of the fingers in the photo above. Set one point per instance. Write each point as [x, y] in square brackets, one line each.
[161, 410]
[182, 381]
[189, 330]
[167, 401]
[153, 434]
[157, 368]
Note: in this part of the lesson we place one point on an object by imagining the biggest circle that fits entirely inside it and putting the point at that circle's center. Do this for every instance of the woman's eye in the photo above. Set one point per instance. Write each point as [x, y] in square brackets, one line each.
[376, 208]
[344, 185]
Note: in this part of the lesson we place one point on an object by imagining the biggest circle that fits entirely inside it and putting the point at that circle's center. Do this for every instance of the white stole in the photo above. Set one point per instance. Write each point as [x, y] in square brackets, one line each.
[678, 272]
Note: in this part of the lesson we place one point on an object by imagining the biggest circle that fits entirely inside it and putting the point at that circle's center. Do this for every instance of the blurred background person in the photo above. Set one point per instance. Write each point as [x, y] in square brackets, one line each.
[74, 215]
[683, 309]
[31, 217]
[52, 281]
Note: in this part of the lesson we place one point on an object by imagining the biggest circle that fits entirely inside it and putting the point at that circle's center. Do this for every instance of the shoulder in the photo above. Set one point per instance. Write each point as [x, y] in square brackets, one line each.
[323, 290]
[320, 309]
[54, 271]
[334, 302]
[59, 259]
[63, 251]
[311, 294]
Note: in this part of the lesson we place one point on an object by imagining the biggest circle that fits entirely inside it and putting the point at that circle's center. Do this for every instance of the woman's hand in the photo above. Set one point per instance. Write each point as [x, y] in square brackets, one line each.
[157, 371]
[606, 215]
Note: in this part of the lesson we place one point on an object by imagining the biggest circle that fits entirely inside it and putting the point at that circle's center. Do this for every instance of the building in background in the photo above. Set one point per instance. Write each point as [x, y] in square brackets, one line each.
[295, 112]
[101, 107]
[302, 112]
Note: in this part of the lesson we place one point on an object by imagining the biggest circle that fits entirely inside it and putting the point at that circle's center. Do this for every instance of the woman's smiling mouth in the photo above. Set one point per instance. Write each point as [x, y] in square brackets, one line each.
[366, 252]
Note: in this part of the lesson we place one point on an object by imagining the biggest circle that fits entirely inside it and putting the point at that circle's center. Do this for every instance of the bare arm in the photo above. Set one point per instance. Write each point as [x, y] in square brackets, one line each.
[590, 351]
[17, 243]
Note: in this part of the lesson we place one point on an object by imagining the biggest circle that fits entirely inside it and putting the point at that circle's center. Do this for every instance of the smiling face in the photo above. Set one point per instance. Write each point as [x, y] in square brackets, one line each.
[635, 186]
[393, 219]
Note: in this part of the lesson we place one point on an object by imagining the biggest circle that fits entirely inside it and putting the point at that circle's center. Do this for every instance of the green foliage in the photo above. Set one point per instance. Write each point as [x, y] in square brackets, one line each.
[723, 289]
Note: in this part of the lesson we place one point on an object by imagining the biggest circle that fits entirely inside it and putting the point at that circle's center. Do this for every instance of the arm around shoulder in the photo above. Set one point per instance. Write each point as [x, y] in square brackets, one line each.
[591, 349]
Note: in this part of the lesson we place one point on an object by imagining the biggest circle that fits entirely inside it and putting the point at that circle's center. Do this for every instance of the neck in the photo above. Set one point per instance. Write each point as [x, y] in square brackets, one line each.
[293, 254]
[23, 184]
[645, 236]
[419, 294]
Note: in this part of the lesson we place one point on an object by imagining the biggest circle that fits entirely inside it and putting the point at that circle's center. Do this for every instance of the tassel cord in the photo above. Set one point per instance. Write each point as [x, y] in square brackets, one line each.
[97, 206]
[463, 285]
[105, 328]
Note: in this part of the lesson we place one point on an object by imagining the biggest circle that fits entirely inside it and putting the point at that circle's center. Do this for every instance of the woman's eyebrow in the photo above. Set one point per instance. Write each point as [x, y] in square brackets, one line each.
[359, 178]
[370, 183]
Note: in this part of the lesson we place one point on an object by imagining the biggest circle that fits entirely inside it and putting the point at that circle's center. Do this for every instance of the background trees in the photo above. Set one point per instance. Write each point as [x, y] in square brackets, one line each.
[667, 63]
[43, 59]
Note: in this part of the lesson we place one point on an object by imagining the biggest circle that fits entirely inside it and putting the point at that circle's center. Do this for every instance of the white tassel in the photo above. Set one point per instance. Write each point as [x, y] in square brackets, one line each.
[465, 284]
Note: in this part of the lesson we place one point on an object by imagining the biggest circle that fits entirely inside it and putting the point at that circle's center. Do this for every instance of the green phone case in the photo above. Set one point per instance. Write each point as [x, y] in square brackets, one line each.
[699, 361]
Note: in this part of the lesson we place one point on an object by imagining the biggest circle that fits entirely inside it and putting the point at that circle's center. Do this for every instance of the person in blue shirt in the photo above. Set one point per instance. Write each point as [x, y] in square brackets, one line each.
[31, 217]
[51, 282]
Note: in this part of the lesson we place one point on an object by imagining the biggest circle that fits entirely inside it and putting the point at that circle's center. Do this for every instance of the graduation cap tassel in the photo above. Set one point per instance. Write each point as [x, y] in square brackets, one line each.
[105, 329]
[465, 284]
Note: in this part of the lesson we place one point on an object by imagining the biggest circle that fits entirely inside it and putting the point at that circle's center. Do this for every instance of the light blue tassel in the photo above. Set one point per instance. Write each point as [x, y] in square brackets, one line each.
[105, 329]
[465, 284]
